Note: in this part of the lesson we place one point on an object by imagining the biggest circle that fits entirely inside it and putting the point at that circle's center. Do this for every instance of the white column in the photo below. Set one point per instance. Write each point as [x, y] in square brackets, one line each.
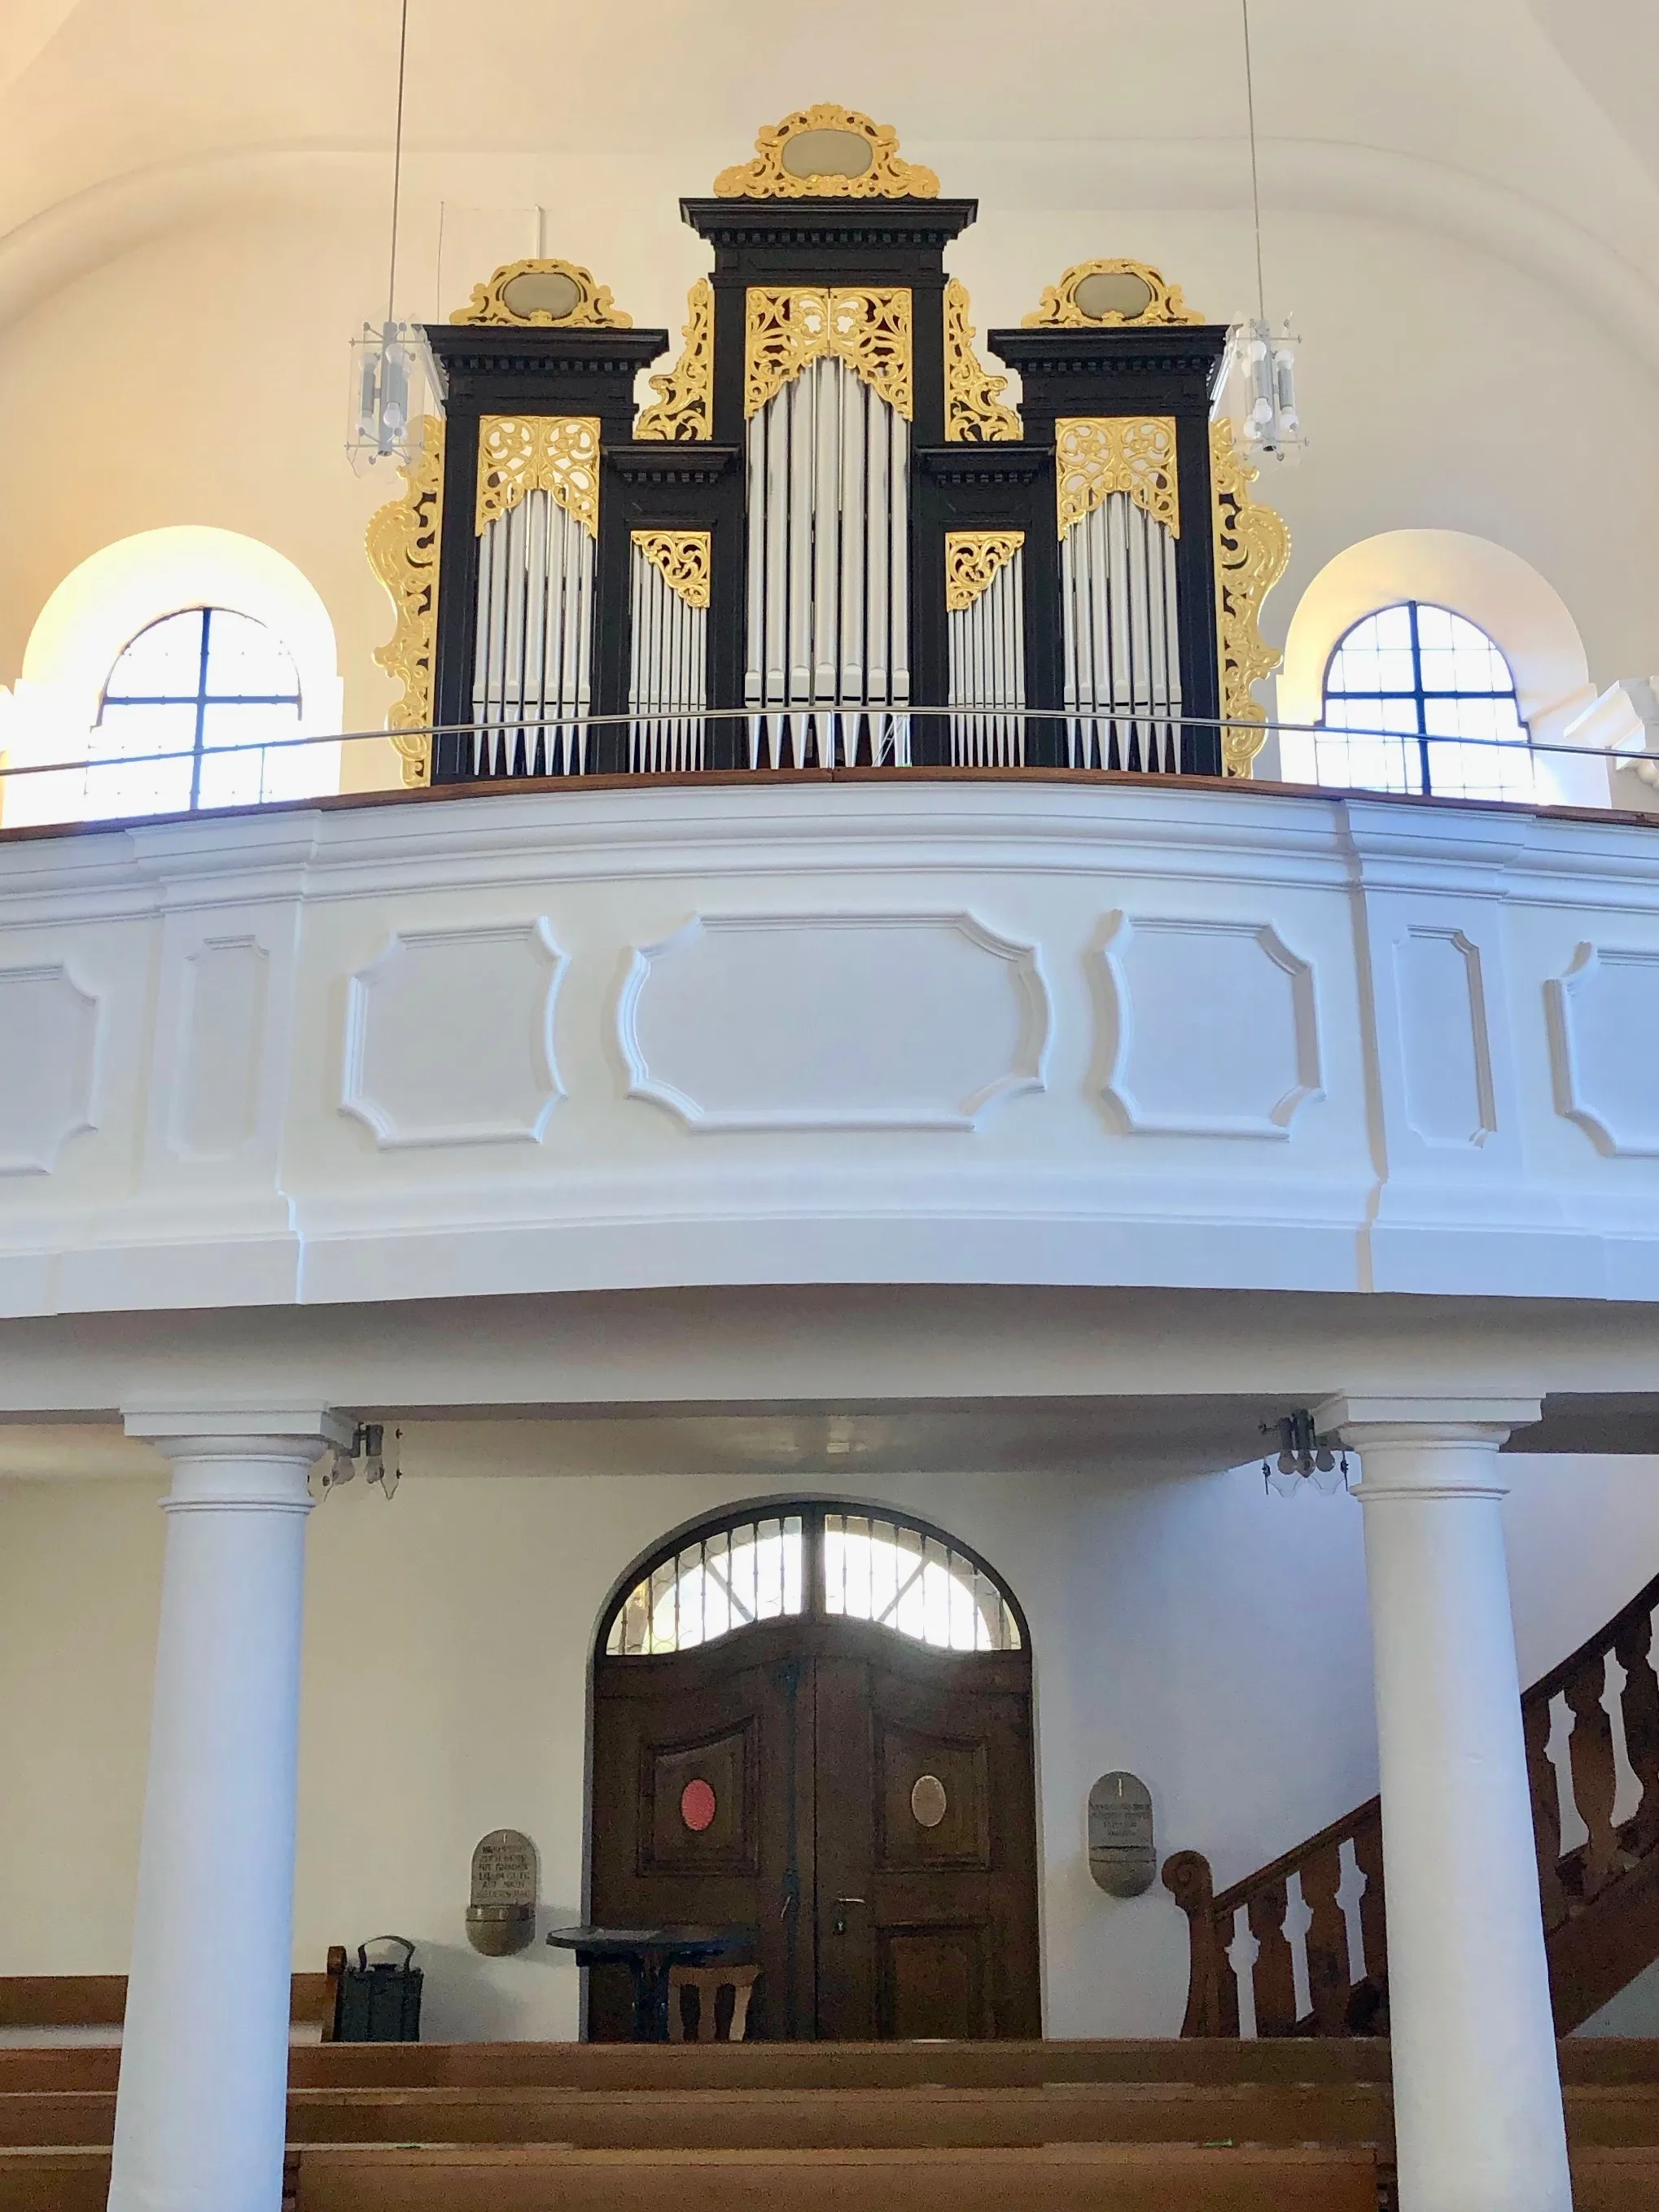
[1476, 2082]
[199, 2120]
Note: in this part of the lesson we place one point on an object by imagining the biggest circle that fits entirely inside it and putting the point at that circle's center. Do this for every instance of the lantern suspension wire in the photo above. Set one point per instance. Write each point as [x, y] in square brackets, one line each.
[398, 156]
[1255, 173]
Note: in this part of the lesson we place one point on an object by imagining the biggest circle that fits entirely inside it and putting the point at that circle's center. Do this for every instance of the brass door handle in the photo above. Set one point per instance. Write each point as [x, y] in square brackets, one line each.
[838, 1926]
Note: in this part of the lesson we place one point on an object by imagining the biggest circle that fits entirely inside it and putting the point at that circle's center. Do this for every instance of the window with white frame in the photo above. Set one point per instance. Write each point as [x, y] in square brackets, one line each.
[194, 714]
[1419, 699]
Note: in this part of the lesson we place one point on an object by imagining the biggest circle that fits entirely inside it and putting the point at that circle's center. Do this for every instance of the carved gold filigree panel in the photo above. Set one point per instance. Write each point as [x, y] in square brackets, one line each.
[684, 557]
[589, 305]
[684, 405]
[1096, 455]
[975, 412]
[556, 453]
[865, 156]
[1059, 308]
[401, 543]
[1252, 548]
[972, 559]
[868, 328]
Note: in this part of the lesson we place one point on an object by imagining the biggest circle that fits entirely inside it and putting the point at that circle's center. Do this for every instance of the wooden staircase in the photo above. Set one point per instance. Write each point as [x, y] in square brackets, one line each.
[1600, 1899]
[1272, 2126]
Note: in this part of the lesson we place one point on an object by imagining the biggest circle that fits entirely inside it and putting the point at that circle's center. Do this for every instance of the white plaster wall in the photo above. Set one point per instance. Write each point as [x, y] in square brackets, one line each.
[1205, 1635]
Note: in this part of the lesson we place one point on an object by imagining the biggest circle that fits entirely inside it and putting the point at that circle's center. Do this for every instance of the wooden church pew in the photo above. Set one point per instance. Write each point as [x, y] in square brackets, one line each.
[1067, 2178]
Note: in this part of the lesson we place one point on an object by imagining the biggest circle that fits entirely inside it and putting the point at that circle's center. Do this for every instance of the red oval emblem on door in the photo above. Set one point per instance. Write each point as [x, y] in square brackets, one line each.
[697, 1807]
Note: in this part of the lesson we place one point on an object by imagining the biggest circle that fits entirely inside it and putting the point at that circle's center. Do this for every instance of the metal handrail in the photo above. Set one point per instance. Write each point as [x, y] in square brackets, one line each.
[800, 709]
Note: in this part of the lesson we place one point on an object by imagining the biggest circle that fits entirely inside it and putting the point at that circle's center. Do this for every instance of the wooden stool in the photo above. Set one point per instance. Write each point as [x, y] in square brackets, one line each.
[708, 1982]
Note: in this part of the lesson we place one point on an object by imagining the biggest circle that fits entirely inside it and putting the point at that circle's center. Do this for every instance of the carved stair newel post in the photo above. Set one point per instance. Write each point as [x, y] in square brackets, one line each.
[200, 2112]
[1478, 2111]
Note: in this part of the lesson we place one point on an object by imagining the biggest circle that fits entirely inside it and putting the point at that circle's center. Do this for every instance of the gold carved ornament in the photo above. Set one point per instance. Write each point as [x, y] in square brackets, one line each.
[868, 328]
[1096, 455]
[684, 557]
[554, 453]
[1060, 310]
[1252, 548]
[972, 561]
[402, 542]
[864, 158]
[684, 405]
[590, 304]
[975, 413]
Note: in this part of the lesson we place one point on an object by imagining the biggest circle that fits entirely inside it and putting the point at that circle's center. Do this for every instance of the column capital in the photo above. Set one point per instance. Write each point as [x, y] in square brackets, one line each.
[239, 1458]
[1424, 1420]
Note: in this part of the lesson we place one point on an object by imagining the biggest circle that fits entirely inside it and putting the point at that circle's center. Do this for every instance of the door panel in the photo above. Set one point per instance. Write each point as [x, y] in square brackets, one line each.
[925, 1842]
[703, 1811]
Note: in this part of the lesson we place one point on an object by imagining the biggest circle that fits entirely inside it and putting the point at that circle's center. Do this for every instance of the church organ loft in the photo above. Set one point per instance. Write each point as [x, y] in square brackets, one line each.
[831, 541]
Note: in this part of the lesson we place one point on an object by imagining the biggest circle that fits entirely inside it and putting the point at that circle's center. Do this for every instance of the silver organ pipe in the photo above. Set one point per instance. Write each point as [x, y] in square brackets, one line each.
[667, 685]
[1122, 639]
[986, 642]
[829, 552]
[532, 658]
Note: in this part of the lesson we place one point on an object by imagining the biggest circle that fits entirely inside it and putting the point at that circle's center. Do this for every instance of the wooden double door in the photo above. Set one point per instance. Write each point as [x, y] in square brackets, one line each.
[867, 1804]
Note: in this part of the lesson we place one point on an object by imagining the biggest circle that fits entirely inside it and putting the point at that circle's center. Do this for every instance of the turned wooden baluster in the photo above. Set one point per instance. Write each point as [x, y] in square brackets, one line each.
[1373, 1912]
[1594, 1772]
[1273, 1977]
[1329, 1977]
[1535, 1719]
[1632, 1643]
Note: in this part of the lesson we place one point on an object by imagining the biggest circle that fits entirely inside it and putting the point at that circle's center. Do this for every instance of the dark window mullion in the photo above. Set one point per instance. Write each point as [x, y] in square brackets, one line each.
[1421, 701]
[201, 713]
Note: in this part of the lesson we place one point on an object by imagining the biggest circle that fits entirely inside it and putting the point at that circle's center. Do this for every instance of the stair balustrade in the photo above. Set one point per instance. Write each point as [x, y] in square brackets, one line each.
[1317, 1968]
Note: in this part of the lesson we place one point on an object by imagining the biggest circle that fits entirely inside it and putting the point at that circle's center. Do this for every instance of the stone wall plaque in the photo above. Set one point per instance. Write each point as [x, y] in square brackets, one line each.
[1122, 1855]
[501, 1916]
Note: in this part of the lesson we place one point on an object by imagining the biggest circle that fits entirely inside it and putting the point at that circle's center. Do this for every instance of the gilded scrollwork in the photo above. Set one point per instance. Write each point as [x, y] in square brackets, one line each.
[872, 149]
[401, 543]
[583, 303]
[1096, 455]
[1252, 548]
[1059, 308]
[975, 411]
[684, 405]
[555, 453]
[684, 557]
[867, 327]
[972, 559]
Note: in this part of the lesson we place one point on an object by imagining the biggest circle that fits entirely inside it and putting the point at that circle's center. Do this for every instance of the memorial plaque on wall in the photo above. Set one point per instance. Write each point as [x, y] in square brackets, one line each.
[501, 1916]
[1122, 1855]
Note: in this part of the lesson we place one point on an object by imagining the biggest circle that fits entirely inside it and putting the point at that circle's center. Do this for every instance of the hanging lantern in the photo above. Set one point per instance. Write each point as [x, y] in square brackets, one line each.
[1257, 392]
[392, 389]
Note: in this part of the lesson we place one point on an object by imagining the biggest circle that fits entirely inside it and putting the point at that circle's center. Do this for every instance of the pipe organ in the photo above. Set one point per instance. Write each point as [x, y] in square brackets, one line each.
[829, 516]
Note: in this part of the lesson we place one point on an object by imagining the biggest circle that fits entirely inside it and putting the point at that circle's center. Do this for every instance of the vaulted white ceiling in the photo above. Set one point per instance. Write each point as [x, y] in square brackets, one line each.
[1525, 126]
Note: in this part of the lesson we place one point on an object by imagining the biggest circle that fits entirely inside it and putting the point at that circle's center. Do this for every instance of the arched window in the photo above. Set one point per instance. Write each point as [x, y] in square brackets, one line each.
[183, 656]
[812, 1559]
[1419, 699]
[187, 712]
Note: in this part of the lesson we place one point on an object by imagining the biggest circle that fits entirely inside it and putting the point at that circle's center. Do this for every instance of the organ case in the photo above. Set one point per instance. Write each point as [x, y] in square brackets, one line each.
[829, 515]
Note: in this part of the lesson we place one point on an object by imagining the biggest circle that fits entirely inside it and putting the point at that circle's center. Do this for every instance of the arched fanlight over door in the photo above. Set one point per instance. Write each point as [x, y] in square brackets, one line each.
[813, 1559]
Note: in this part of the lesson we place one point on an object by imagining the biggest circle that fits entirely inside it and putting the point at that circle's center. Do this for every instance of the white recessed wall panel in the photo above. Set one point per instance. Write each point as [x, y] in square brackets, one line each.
[1605, 1043]
[48, 1061]
[1216, 1034]
[833, 1021]
[1447, 1063]
[449, 1037]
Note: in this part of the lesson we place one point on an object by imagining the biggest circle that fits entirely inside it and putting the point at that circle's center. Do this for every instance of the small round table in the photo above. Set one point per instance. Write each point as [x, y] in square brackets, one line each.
[649, 1954]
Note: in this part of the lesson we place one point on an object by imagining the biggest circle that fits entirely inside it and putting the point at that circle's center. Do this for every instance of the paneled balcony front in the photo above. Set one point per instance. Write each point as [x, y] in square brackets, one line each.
[899, 1028]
